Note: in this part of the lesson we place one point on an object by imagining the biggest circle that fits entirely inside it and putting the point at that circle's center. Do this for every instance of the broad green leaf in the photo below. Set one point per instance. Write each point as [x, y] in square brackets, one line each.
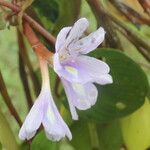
[125, 95]
[7, 139]
[81, 136]
[40, 142]
[136, 128]
[110, 136]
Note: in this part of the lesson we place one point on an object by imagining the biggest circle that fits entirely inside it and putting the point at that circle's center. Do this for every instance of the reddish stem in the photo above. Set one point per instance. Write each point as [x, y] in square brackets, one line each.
[31, 21]
[36, 44]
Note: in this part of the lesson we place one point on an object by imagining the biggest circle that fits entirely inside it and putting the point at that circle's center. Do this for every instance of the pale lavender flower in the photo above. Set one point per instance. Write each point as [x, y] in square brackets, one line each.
[44, 111]
[77, 71]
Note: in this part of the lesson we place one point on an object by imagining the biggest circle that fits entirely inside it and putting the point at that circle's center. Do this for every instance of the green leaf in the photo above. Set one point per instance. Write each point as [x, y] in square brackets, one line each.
[7, 139]
[53, 15]
[68, 13]
[110, 136]
[137, 126]
[81, 136]
[125, 95]
[41, 142]
[47, 12]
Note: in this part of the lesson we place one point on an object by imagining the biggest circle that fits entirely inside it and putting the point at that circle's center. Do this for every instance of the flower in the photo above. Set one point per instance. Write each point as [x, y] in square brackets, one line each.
[77, 71]
[44, 111]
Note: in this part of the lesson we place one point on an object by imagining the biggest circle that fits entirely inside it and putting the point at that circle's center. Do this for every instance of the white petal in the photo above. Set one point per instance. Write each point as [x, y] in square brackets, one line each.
[56, 62]
[82, 69]
[69, 96]
[33, 119]
[61, 38]
[104, 79]
[23, 135]
[81, 96]
[86, 95]
[77, 30]
[90, 69]
[54, 126]
[88, 43]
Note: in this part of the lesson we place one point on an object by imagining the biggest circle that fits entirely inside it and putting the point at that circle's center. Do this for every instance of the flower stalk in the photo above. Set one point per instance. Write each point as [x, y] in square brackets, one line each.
[36, 44]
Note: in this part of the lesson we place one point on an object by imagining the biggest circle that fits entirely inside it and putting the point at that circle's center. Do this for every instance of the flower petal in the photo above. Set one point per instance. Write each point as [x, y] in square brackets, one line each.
[104, 79]
[24, 135]
[33, 119]
[54, 126]
[61, 38]
[82, 69]
[70, 99]
[77, 30]
[56, 62]
[80, 96]
[88, 43]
